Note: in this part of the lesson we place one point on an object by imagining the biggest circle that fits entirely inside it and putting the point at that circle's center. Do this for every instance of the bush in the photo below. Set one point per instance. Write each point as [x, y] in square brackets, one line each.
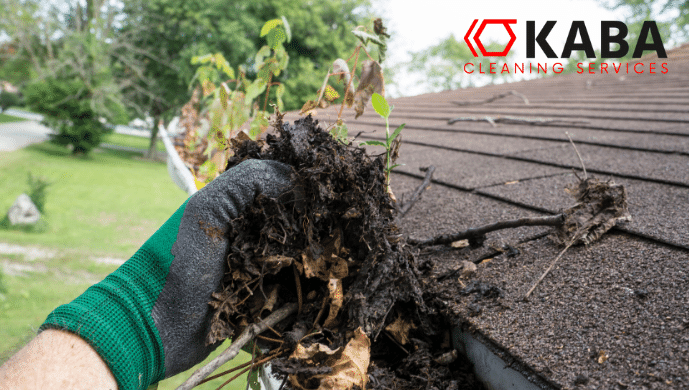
[8, 99]
[37, 191]
[67, 108]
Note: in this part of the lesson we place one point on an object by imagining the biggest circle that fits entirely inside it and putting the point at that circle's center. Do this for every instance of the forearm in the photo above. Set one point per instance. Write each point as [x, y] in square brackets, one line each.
[56, 359]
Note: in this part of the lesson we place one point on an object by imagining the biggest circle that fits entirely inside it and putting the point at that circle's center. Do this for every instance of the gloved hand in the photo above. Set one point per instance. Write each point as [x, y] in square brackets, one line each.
[148, 320]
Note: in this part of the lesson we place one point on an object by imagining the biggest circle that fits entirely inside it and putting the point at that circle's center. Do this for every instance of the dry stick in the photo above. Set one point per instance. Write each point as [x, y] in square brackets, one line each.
[493, 98]
[233, 369]
[349, 84]
[417, 193]
[233, 378]
[444, 239]
[325, 83]
[230, 353]
[526, 297]
[574, 237]
[494, 120]
[581, 161]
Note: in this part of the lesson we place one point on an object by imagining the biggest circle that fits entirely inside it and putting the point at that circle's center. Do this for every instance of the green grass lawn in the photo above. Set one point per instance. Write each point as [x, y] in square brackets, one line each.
[131, 141]
[30, 297]
[4, 118]
[106, 204]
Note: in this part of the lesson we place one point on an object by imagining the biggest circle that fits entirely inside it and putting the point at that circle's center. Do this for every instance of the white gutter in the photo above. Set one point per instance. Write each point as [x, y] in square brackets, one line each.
[179, 173]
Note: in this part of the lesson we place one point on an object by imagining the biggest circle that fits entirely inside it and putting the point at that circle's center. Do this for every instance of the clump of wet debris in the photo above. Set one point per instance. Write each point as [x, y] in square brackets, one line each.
[330, 244]
[367, 317]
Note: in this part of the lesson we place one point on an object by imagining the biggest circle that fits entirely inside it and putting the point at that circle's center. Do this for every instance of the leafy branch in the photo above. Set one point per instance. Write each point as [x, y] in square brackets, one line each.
[356, 94]
[230, 99]
[384, 109]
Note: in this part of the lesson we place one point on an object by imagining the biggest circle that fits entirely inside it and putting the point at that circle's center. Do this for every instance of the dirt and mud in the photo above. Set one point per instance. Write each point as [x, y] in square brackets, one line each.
[331, 245]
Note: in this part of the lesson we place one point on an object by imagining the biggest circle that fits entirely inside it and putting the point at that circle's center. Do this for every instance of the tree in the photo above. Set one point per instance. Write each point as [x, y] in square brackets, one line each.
[72, 56]
[172, 32]
[442, 65]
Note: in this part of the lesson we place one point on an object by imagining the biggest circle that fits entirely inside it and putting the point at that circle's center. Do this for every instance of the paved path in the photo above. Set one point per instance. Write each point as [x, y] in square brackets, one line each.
[16, 135]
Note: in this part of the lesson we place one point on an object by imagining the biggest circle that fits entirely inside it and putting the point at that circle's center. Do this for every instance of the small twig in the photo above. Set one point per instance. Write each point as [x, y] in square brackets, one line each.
[396, 342]
[325, 83]
[417, 193]
[321, 311]
[583, 167]
[297, 281]
[444, 239]
[526, 297]
[493, 98]
[233, 378]
[349, 84]
[233, 369]
[230, 353]
[382, 325]
[494, 120]
[272, 340]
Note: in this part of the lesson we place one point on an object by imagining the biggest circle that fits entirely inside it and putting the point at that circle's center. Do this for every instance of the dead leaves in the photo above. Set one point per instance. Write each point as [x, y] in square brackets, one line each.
[600, 206]
[400, 328]
[371, 81]
[349, 365]
[330, 264]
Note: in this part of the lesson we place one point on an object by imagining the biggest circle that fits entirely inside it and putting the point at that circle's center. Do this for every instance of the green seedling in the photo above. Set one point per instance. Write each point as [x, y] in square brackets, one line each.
[384, 109]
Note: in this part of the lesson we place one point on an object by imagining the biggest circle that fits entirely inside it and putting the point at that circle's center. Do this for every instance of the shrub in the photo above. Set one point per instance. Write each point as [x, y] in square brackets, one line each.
[8, 99]
[67, 108]
[37, 191]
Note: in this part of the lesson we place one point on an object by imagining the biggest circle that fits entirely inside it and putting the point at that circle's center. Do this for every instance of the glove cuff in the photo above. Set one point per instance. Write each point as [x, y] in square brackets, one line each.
[114, 315]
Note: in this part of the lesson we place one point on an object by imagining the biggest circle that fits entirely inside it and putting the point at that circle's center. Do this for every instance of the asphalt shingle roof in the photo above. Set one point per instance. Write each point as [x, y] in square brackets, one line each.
[626, 296]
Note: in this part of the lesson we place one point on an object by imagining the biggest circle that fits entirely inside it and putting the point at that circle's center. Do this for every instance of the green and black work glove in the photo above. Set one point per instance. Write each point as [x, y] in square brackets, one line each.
[148, 320]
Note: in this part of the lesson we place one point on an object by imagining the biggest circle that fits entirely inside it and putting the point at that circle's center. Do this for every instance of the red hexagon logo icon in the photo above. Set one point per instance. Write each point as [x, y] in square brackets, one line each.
[477, 37]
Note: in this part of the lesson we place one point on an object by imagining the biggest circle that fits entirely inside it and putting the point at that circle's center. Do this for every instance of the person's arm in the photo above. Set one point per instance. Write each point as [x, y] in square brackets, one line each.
[56, 359]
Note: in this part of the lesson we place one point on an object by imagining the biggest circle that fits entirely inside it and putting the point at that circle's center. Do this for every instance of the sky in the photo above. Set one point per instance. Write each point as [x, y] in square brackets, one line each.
[416, 25]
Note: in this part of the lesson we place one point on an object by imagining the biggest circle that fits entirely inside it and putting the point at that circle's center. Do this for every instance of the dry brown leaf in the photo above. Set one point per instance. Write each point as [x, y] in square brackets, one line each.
[336, 295]
[330, 264]
[349, 365]
[371, 81]
[400, 328]
[308, 107]
[272, 295]
[352, 368]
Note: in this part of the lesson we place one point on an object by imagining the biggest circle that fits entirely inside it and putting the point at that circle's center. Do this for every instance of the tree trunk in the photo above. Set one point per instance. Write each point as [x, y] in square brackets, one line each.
[153, 145]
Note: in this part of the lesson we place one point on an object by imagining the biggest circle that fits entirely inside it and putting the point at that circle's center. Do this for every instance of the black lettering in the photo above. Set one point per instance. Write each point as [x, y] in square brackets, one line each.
[606, 39]
[656, 45]
[540, 39]
[585, 45]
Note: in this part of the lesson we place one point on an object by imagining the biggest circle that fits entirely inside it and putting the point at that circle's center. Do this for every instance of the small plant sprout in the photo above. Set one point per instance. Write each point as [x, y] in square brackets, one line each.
[383, 109]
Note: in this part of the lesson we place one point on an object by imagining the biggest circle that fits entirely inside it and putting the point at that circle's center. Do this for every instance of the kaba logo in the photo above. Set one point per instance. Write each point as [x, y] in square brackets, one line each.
[577, 29]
